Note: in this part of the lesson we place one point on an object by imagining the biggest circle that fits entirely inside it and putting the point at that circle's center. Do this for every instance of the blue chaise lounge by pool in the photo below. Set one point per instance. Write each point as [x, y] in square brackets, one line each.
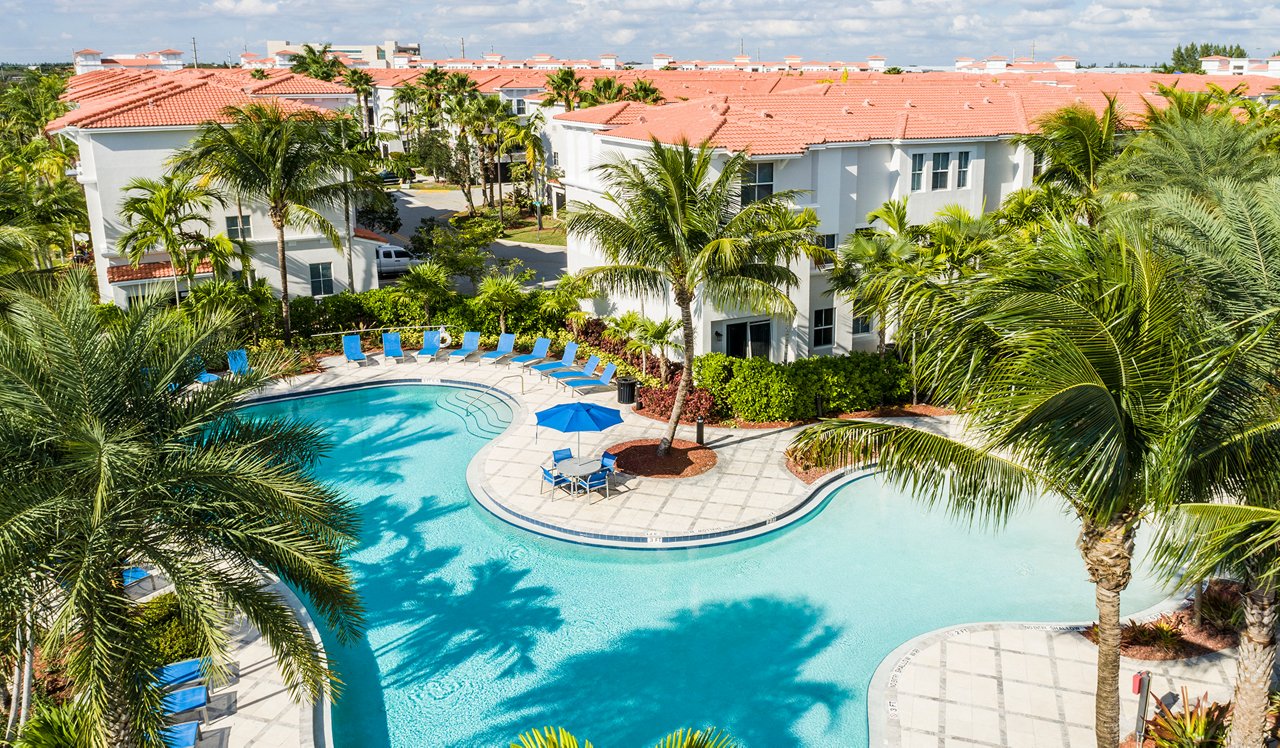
[539, 352]
[565, 362]
[470, 344]
[506, 346]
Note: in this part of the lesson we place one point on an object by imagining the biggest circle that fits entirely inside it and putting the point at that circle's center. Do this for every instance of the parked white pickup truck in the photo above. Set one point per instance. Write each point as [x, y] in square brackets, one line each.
[393, 259]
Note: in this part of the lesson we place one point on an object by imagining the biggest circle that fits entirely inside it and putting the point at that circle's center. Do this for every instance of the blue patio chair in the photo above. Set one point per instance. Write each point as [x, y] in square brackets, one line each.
[430, 345]
[561, 454]
[391, 347]
[181, 673]
[470, 344]
[554, 481]
[588, 370]
[506, 346]
[351, 349]
[539, 352]
[204, 377]
[185, 700]
[181, 735]
[238, 362]
[586, 383]
[565, 362]
[133, 575]
[595, 482]
[609, 463]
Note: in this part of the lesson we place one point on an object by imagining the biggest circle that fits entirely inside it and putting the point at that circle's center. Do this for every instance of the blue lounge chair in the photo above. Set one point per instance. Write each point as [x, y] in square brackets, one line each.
[185, 700]
[588, 369]
[238, 362]
[506, 346]
[586, 383]
[351, 349]
[181, 673]
[181, 735]
[554, 481]
[391, 347]
[430, 345]
[133, 575]
[470, 344]
[204, 377]
[594, 482]
[565, 362]
[540, 348]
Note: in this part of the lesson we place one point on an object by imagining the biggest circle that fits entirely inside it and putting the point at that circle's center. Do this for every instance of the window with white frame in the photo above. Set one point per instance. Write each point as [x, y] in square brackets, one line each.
[861, 325]
[322, 279]
[824, 327]
[517, 107]
[917, 172]
[962, 170]
[757, 182]
[826, 241]
[1039, 161]
[941, 171]
[239, 227]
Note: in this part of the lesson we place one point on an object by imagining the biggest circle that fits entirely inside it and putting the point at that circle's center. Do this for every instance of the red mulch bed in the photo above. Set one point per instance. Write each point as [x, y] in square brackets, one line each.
[900, 411]
[1196, 640]
[685, 460]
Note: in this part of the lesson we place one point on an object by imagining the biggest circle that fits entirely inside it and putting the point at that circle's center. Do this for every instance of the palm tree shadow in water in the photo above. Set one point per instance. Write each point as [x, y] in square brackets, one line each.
[737, 665]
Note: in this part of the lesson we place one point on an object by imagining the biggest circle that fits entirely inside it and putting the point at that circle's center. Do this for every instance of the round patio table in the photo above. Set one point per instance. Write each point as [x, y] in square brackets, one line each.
[578, 467]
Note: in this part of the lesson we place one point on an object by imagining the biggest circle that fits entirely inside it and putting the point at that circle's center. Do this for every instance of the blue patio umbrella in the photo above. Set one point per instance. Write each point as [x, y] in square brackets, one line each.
[578, 417]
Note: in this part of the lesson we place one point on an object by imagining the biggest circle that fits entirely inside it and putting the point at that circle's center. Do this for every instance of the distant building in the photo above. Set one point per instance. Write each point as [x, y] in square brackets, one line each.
[89, 60]
[1220, 65]
[388, 54]
[790, 63]
[996, 64]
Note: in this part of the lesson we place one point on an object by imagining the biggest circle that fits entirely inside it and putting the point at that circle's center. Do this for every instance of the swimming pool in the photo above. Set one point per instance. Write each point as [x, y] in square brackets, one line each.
[478, 630]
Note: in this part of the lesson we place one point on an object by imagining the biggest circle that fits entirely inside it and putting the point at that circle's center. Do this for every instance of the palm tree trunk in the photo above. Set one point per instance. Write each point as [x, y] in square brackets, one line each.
[28, 671]
[278, 222]
[346, 216]
[685, 301]
[1255, 664]
[1108, 557]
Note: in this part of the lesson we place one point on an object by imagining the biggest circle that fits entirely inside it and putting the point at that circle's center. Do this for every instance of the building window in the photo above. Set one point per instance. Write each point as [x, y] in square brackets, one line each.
[861, 325]
[1038, 163]
[239, 227]
[517, 107]
[962, 170]
[824, 327]
[757, 182]
[941, 171]
[917, 171]
[829, 242]
[322, 279]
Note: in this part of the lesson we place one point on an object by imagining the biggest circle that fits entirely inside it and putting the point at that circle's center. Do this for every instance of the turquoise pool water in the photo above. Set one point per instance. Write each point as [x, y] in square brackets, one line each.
[478, 630]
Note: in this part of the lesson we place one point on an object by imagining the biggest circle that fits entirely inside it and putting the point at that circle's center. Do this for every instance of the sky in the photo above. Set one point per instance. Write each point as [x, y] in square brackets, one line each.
[906, 32]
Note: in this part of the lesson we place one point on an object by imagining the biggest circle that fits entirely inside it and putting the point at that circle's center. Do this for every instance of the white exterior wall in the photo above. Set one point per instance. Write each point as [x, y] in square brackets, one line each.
[841, 182]
[110, 159]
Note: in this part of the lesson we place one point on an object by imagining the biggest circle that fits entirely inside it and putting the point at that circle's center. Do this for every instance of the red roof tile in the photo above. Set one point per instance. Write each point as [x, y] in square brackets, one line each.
[148, 271]
[363, 233]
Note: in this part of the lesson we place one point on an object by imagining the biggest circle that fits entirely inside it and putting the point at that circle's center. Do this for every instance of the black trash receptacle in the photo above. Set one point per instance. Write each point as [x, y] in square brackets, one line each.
[627, 390]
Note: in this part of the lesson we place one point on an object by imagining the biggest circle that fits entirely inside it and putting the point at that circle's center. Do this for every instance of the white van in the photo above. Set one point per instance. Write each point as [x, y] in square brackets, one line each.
[393, 259]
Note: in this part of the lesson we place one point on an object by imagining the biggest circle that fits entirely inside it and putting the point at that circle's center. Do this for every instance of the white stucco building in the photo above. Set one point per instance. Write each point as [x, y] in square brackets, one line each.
[128, 125]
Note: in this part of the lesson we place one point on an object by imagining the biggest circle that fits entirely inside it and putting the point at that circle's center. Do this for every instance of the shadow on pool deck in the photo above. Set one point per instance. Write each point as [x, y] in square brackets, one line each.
[735, 665]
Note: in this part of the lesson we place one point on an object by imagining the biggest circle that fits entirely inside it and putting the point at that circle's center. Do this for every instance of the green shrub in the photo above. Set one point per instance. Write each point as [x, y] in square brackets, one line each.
[713, 372]
[1203, 724]
[162, 623]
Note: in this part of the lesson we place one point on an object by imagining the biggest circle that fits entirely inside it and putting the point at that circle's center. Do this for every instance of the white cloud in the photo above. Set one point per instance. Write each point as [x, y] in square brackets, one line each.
[243, 7]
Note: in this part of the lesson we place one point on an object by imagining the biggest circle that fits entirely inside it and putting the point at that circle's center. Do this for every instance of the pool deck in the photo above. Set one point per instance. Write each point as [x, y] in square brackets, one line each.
[990, 685]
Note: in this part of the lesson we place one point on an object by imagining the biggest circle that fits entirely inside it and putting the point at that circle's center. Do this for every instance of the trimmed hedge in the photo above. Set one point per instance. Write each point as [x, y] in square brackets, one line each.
[757, 389]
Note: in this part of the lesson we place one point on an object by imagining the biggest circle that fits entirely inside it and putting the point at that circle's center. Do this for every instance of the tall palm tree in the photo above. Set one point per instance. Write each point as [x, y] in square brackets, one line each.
[361, 84]
[674, 229]
[30, 103]
[565, 87]
[1188, 151]
[429, 283]
[1079, 372]
[278, 158]
[1078, 142]
[110, 461]
[500, 292]
[168, 215]
[645, 92]
[604, 90]
[891, 243]
[318, 62]
[350, 152]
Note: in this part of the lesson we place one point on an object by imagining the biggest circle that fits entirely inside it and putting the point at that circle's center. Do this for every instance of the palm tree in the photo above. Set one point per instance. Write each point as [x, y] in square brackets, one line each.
[278, 158]
[349, 150]
[167, 215]
[565, 87]
[30, 103]
[1188, 151]
[658, 335]
[891, 243]
[558, 737]
[500, 292]
[1078, 371]
[318, 62]
[674, 229]
[361, 83]
[645, 92]
[564, 299]
[1077, 143]
[110, 461]
[604, 90]
[429, 283]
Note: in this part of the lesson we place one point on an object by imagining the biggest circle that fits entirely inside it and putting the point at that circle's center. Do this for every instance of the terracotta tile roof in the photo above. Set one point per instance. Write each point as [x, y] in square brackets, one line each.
[363, 233]
[86, 52]
[169, 52]
[148, 271]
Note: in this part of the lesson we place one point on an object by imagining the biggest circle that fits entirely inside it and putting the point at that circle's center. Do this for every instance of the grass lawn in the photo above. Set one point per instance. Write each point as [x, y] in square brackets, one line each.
[433, 186]
[552, 233]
